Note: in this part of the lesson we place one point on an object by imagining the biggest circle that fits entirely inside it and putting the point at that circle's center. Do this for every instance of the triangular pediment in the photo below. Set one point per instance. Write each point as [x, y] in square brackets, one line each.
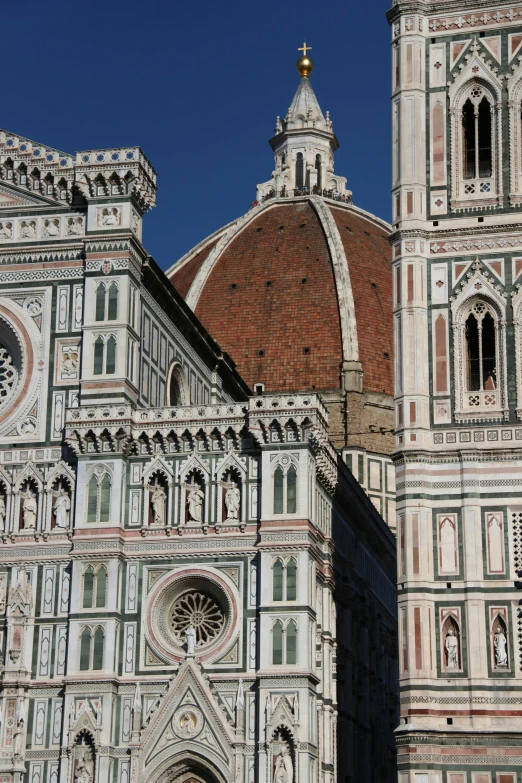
[475, 67]
[11, 196]
[480, 283]
[187, 719]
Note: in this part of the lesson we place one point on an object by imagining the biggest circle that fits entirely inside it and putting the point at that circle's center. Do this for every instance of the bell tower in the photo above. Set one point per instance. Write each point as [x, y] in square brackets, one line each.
[457, 265]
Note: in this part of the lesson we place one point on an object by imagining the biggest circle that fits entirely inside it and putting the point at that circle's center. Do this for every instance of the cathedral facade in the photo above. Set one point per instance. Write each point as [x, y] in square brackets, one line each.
[457, 242]
[194, 588]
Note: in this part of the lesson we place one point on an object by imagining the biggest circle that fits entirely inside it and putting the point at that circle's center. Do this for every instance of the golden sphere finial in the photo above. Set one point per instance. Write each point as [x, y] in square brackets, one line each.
[304, 65]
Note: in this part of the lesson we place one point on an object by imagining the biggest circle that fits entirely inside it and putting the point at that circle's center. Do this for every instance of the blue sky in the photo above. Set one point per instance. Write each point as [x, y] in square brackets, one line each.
[198, 86]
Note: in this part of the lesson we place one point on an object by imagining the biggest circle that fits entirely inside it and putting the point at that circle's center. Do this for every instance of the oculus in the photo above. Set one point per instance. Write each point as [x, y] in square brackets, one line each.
[11, 364]
[200, 610]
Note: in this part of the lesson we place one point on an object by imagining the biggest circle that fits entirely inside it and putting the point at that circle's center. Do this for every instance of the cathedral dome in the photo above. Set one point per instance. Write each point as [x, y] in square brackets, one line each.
[298, 291]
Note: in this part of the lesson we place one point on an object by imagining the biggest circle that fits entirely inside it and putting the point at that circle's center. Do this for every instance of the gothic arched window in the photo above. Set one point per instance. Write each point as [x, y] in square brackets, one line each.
[319, 172]
[101, 587]
[104, 355]
[291, 642]
[85, 650]
[476, 122]
[481, 362]
[98, 498]
[88, 587]
[291, 580]
[277, 643]
[99, 349]
[97, 652]
[285, 487]
[479, 328]
[299, 171]
[177, 386]
[106, 302]
[277, 580]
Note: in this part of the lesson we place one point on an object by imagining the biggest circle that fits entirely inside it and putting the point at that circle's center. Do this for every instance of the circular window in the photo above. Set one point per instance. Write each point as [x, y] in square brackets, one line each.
[10, 363]
[8, 374]
[201, 599]
[200, 610]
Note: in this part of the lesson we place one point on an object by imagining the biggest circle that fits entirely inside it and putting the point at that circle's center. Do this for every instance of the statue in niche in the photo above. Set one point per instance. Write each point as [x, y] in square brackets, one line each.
[158, 501]
[84, 762]
[284, 769]
[29, 509]
[18, 737]
[190, 637]
[195, 500]
[62, 507]
[2, 513]
[232, 500]
[83, 773]
[452, 650]
[500, 646]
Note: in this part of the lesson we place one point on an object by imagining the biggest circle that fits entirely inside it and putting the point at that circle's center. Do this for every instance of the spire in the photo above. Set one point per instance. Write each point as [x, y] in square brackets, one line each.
[304, 144]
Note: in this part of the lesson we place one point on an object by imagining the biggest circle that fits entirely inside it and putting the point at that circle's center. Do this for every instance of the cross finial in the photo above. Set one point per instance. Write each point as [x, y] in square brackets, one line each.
[304, 49]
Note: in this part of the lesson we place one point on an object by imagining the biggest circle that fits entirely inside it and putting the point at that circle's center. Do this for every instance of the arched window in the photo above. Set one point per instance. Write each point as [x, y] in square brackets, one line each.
[291, 485]
[99, 498]
[177, 386]
[299, 171]
[99, 350]
[479, 329]
[477, 155]
[291, 580]
[101, 587]
[319, 171]
[291, 643]
[105, 498]
[481, 361]
[112, 307]
[92, 499]
[100, 302]
[278, 490]
[110, 364]
[285, 488]
[104, 355]
[85, 650]
[106, 302]
[277, 643]
[88, 587]
[277, 580]
[97, 653]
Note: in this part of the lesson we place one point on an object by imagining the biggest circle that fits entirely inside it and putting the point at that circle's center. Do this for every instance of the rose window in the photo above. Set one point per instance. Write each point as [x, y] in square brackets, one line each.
[199, 610]
[8, 374]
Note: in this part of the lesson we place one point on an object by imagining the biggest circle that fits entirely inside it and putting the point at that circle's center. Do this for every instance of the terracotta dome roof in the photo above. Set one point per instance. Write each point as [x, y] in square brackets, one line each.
[296, 291]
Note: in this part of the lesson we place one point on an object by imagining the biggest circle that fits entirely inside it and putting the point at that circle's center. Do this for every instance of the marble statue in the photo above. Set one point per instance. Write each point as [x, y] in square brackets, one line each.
[500, 645]
[17, 738]
[232, 499]
[83, 773]
[158, 502]
[2, 513]
[452, 649]
[30, 508]
[62, 508]
[284, 769]
[195, 503]
[190, 636]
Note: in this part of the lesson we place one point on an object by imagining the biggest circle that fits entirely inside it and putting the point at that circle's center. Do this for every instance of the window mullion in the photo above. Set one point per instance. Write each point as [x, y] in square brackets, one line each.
[91, 650]
[284, 582]
[477, 172]
[283, 636]
[481, 369]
